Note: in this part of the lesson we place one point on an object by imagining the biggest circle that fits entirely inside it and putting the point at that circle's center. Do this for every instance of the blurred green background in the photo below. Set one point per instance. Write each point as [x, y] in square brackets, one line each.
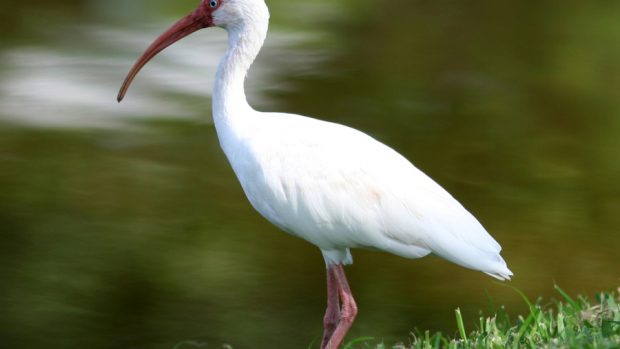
[122, 226]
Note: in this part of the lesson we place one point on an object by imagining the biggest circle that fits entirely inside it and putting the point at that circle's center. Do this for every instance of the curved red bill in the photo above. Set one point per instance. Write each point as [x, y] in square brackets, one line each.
[193, 22]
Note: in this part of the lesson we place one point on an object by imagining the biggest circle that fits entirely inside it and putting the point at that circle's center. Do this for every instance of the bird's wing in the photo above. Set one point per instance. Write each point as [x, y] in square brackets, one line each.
[339, 187]
[419, 211]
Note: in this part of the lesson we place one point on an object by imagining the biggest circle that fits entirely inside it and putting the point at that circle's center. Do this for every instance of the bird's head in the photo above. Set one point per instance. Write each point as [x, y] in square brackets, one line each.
[228, 14]
[232, 13]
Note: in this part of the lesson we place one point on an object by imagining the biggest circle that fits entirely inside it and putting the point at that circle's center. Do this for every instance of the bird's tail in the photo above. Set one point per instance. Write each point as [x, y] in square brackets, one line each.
[503, 276]
[500, 270]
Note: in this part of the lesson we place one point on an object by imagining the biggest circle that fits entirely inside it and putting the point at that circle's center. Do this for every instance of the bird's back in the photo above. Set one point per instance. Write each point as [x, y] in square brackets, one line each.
[338, 188]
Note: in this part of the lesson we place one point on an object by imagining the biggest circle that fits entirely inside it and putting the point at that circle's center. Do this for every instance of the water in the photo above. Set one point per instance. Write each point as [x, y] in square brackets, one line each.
[123, 225]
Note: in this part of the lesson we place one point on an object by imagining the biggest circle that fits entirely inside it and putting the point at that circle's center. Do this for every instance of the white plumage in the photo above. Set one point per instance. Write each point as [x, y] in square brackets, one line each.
[338, 188]
[326, 183]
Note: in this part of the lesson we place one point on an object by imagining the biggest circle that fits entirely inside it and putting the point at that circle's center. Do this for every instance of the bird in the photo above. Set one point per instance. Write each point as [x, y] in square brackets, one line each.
[331, 185]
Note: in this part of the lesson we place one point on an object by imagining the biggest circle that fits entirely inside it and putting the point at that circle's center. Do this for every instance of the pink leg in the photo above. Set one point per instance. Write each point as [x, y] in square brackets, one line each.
[348, 311]
[332, 314]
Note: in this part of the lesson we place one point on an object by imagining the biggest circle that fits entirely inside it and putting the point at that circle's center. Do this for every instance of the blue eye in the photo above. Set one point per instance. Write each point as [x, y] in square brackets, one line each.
[213, 3]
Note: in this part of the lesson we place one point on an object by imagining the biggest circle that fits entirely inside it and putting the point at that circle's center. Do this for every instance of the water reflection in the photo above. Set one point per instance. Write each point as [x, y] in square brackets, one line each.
[57, 86]
[135, 234]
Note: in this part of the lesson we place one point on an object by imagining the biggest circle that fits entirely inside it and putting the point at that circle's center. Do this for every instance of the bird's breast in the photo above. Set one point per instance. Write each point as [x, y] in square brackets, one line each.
[307, 192]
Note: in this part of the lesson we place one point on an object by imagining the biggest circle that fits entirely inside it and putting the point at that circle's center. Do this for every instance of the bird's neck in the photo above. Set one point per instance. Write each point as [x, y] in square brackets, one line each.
[230, 105]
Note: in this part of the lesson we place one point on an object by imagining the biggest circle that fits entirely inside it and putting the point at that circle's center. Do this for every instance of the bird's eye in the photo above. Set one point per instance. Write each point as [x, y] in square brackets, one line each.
[213, 3]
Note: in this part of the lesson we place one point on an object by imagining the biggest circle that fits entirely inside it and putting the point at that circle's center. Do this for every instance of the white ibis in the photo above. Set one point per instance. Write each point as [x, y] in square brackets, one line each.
[326, 183]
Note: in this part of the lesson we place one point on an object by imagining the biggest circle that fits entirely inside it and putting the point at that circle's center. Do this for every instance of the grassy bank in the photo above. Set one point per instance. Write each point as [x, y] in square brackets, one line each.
[567, 323]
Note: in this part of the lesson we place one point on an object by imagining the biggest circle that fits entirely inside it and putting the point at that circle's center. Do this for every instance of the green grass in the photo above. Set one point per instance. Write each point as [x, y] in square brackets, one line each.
[567, 323]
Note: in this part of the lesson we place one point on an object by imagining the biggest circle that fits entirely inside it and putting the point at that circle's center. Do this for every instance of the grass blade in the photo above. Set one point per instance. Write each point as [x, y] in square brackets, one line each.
[459, 323]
